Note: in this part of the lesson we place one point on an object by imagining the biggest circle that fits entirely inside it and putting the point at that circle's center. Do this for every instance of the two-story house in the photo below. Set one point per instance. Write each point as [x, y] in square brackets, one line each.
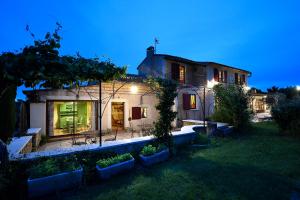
[196, 80]
[64, 111]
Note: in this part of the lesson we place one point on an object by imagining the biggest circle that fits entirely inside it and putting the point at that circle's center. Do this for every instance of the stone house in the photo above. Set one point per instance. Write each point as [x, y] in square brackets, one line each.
[64, 111]
[125, 104]
[195, 98]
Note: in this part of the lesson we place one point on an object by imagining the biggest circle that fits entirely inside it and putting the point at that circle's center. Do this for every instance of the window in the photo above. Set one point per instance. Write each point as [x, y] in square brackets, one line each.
[178, 72]
[240, 79]
[220, 76]
[144, 112]
[189, 101]
[192, 101]
[181, 74]
[72, 117]
[136, 113]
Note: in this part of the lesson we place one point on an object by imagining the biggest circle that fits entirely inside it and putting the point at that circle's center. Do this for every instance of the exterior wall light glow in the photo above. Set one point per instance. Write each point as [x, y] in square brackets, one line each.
[211, 84]
[133, 89]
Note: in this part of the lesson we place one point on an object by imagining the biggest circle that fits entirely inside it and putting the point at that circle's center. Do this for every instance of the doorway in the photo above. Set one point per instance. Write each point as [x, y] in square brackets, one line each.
[117, 115]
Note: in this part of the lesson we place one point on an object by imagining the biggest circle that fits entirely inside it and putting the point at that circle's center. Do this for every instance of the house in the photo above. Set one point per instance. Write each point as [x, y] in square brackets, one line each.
[125, 104]
[129, 103]
[196, 80]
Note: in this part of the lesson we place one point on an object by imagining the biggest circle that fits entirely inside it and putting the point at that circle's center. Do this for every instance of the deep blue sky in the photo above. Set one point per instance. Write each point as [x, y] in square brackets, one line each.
[260, 36]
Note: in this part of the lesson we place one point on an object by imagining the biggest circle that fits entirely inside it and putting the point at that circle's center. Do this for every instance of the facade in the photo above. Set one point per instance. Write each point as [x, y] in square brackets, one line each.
[63, 112]
[195, 98]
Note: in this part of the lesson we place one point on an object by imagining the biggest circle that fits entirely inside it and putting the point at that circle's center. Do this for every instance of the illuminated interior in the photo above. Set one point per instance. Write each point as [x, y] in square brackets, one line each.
[181, 74]
[72, 117]
[193, 101]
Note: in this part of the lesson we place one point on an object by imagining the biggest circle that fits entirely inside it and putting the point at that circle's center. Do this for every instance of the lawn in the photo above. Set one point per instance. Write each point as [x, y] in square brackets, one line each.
[260, 165]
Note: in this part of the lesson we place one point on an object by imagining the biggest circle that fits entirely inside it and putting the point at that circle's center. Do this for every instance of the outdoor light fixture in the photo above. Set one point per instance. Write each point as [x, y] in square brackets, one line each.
[211, 84]
[247, 88]
[134, 89]
[298, 87]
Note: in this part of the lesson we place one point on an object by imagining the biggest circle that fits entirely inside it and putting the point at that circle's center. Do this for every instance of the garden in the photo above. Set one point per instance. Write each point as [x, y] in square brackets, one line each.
[260, 164]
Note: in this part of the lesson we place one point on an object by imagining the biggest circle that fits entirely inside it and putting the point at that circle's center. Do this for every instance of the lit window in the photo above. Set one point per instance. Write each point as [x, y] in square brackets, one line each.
[181, 74]
[192, 101]
[144, 112]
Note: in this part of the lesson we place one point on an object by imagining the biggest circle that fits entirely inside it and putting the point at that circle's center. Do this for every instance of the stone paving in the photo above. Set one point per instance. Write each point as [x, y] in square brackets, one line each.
[67, 143]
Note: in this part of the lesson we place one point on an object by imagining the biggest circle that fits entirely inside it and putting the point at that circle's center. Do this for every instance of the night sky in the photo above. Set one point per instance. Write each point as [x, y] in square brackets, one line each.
[260, 36]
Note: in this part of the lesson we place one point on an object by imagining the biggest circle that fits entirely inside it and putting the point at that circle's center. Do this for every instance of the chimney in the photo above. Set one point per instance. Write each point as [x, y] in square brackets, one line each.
[150, 51]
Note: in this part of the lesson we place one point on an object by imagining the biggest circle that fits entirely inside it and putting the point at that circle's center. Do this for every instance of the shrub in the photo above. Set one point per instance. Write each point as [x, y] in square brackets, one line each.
[148, 150]
[103, 163]
[232, 106]
[166, 92]
[287, 116]
[53, 166]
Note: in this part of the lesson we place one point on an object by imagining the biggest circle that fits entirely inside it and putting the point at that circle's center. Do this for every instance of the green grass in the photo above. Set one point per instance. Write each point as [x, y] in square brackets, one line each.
[260, 165]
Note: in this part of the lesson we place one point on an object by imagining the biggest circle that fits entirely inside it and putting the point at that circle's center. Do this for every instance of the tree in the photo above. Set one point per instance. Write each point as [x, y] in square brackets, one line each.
[41, 65]
[232, 105]
[166, 92]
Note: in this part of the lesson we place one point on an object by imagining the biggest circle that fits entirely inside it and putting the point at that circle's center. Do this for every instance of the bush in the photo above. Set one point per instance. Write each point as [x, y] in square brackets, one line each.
[287, 116]
[148, 150]
[232, 106]
[103, 163]
[53, 166]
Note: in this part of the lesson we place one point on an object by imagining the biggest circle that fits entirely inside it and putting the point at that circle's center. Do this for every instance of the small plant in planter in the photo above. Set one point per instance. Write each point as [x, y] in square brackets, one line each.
[151, 154]
[54, 174]
[114, 165]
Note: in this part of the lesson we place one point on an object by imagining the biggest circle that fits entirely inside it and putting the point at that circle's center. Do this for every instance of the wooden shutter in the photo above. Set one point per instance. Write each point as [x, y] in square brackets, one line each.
[186, 101]
[225, 76]
[243, 79]
[216, 75]
[236, 78]
[136, 113]
[175, 71]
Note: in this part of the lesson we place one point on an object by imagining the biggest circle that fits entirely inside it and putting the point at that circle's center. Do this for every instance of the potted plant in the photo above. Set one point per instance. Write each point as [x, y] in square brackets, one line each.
[114, 165]
[151, 154]
[52, 175]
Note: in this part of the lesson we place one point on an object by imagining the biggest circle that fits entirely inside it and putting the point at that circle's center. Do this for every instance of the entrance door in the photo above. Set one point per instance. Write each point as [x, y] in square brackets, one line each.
[117, 115]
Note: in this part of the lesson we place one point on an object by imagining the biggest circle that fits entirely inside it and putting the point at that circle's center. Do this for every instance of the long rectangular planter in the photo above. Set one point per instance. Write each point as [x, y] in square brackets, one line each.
[46, 185]
[155, 158]
[107, 172]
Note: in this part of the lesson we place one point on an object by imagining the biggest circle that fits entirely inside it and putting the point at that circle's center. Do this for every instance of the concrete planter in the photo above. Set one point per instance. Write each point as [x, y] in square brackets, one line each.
[46, 185]
[155, 158]
[107, 172]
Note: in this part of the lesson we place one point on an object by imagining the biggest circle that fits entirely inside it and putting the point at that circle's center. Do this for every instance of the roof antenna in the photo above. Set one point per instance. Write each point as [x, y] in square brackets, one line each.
[156, 41]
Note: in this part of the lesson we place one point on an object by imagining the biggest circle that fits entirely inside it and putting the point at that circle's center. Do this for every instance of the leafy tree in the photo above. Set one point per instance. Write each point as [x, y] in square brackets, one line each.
[278, 95]
[166, 91]
[287, 116]
[231, 106]
[40, 64]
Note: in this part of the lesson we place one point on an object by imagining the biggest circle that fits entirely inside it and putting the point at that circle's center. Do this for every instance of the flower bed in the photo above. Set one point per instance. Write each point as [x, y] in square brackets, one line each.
[151, 155]
[53, 175]
[114, 165]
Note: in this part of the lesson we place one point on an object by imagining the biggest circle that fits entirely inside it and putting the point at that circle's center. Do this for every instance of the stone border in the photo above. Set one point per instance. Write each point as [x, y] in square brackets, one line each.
[185, 136]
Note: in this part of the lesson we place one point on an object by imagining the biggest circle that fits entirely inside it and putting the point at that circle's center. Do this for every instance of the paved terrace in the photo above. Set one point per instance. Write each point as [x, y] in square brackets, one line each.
[184, 136]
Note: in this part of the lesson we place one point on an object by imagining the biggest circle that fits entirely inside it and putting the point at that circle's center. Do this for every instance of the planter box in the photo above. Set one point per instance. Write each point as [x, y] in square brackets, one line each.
[46, 185]
[155, 158]
[107, 172]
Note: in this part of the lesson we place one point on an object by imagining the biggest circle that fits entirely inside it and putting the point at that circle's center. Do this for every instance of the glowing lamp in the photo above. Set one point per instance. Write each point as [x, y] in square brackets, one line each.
[134, 89]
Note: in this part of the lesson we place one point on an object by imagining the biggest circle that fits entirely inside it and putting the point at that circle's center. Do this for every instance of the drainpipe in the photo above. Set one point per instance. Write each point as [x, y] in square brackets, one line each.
[204, 107]
[100, 115]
